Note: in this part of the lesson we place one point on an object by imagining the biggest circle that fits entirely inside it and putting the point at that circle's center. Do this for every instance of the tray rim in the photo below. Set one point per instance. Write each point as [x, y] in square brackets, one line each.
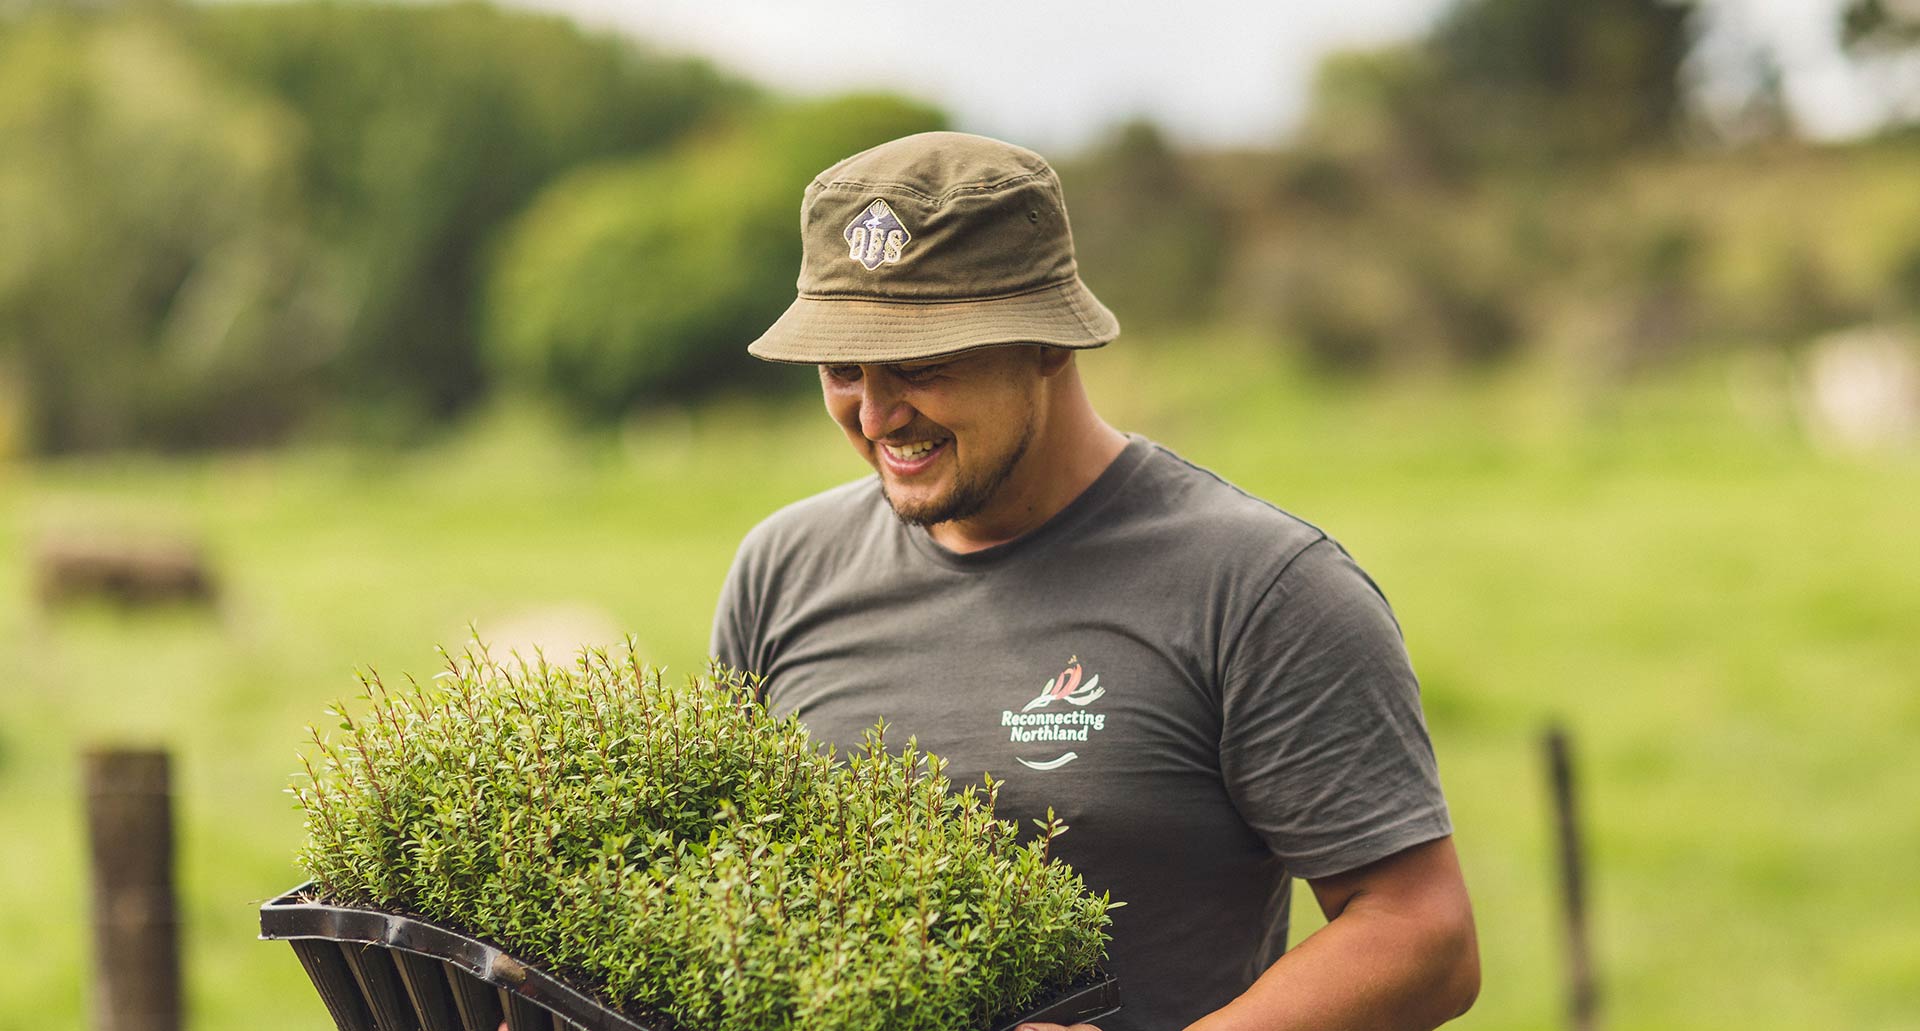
[291, 916]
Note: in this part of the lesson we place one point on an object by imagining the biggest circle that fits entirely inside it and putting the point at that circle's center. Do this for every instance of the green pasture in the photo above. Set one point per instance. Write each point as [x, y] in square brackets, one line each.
[1727, 619]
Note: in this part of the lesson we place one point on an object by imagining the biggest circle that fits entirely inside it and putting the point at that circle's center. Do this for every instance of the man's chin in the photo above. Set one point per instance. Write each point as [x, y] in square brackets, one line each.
[924, 508]
[919, 512]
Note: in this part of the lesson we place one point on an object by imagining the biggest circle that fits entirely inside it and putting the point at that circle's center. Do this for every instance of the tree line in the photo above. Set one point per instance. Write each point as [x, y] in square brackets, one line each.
[230, 224]
[1609, 185]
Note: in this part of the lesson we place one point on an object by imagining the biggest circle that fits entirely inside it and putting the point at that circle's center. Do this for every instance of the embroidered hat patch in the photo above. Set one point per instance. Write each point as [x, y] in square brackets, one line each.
[875, 237]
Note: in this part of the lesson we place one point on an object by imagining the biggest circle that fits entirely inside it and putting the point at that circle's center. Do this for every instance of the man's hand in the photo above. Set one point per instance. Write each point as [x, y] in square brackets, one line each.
[1056, 1027]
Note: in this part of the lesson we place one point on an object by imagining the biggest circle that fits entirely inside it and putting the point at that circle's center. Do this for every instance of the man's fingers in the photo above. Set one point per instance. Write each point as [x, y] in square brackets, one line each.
[1056, 1027]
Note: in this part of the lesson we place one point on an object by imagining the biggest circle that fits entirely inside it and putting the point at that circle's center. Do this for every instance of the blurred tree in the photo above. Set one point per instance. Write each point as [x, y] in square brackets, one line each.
[1903, 283]
[1565, 78]
[1148, 236]
[152, 267]
[1377, 113]
[1735, 82]
[1802, 301]
[1658, 295]
[1763, 114]
[1421, 299]
[1884, 36]
[224, 222]
[1416, 221]
[643, 280]
[1867, 25]
[428, 126]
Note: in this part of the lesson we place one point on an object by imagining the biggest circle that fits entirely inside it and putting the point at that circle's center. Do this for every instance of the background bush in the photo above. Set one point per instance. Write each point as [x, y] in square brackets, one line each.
[686, 852]
[228, 222]
[645, 280]
[429, 125]
[1144, 230]
[153, 265]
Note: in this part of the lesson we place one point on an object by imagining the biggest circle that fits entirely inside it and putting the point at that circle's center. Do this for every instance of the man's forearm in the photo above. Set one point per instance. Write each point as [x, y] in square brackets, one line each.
[1357, 974]
[1389, 959]
[1398, 954]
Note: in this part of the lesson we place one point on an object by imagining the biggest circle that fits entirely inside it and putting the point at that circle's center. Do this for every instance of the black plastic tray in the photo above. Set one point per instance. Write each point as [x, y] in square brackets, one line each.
[380, 971]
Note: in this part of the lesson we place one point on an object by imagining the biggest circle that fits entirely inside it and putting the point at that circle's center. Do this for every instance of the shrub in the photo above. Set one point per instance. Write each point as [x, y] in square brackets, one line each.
[638, 280]
[430, 126]
[223, 223]
[153, 263]
[683, 852]
[1148, 235]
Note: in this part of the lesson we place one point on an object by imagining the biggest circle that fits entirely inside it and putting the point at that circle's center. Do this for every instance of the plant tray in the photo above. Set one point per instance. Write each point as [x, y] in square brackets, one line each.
[381, 971]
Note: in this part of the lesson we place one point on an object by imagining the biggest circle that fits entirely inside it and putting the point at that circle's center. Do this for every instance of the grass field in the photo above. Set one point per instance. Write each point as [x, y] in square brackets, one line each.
[1727, 620]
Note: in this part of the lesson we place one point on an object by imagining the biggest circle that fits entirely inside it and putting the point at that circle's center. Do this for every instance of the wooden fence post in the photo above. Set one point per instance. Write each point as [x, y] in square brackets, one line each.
[135, 922]
[1583, 1000]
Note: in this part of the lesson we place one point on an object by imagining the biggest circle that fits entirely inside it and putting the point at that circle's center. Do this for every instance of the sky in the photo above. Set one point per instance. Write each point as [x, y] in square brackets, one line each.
[1057, 73]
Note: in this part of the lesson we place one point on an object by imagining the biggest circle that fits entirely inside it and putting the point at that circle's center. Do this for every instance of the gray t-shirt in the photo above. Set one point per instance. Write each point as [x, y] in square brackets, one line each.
[1206, 689]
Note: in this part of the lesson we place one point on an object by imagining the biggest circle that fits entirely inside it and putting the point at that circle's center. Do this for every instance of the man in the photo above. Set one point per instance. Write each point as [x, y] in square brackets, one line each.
[1207, 690]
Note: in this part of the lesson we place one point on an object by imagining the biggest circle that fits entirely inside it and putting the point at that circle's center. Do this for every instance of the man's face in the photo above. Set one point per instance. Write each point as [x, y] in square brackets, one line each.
[946, 435]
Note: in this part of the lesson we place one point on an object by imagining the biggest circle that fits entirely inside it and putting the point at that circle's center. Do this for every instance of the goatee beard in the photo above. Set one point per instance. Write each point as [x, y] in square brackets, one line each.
[969, 496]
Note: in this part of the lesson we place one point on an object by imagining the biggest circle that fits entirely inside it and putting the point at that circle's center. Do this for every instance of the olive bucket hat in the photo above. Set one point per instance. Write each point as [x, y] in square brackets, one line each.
[931, 245]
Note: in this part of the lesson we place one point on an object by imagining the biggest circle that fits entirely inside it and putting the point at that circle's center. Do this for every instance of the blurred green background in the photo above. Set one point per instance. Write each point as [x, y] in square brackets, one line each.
[413, 317]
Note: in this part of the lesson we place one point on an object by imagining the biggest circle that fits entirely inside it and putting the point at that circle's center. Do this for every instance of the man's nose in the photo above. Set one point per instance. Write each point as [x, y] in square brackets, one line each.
[882, 410]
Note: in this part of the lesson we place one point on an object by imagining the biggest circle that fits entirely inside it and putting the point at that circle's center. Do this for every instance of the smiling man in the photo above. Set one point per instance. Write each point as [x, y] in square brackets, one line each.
[1206, 689]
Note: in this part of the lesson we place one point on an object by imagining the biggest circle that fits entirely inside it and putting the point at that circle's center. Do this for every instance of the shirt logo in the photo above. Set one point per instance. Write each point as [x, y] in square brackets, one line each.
[876, 236]
[1058, 713]
[1066, 688]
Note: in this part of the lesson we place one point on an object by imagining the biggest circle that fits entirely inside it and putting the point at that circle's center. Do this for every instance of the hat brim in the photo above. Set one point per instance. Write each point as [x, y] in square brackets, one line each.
[859, 330]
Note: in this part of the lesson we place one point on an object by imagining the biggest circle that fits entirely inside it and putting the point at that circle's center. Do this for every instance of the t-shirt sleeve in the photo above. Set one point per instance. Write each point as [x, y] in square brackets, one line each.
[735, 640]
[1323, 745]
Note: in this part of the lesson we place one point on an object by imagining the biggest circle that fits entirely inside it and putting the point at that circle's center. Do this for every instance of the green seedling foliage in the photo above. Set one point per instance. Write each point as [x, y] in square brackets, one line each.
[677, 849]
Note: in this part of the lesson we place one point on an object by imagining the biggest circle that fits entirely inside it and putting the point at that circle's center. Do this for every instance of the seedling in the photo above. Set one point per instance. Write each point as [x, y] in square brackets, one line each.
[677, 850]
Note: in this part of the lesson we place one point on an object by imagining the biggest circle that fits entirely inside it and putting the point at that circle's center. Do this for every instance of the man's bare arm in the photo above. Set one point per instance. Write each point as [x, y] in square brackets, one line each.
[1398, 953]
